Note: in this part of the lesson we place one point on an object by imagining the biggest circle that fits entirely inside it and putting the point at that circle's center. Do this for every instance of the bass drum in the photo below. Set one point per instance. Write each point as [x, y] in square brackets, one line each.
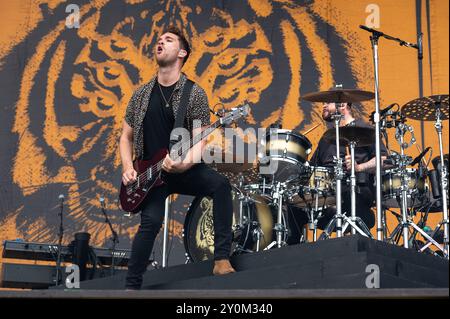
[257, 218]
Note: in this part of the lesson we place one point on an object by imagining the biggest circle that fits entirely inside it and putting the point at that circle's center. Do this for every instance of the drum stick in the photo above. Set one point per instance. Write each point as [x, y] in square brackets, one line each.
[311, 129]
[347, 151]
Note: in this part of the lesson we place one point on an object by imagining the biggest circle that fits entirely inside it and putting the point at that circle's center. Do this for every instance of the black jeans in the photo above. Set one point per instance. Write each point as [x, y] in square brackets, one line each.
[298, 218]
[200, 180]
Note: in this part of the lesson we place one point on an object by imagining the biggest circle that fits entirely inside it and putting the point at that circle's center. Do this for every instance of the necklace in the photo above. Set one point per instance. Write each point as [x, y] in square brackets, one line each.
[164, 97]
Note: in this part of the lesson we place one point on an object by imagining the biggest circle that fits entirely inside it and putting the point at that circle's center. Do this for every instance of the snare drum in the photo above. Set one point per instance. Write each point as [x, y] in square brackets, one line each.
[288, 151]
[392, 188]
[319, 187]
[262, 189]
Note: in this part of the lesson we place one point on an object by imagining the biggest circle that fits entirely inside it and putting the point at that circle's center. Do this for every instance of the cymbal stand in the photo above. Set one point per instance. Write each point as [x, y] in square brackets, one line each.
[354, 221]
[400, 133]
[336, 221]
[444, 181]
[339, 174]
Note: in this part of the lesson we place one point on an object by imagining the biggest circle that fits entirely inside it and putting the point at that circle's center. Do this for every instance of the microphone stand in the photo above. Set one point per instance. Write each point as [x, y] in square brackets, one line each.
[60, 238]
[374, 40]
[114, 238]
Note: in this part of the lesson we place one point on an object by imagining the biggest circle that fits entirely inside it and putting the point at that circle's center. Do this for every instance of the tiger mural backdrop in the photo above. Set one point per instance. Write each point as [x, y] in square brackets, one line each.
[68, 69]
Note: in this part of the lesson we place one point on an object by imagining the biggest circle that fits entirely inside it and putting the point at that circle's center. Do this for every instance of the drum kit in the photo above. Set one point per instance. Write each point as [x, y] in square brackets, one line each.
[261, 199]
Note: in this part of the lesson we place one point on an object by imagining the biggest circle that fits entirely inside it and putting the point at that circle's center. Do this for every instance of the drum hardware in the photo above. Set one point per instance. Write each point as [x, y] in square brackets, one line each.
[338, 96]
[280, 228]
[403, 176]
[314, 195]
[350, 136]
[257, 234]
[396, 234]
[167, 208]
[435, 108]
[339, 174]
[187, 258]
[400, 132]
[375, 36]
[433, 235]
[313, 217]
[399, 135]
[364, 230]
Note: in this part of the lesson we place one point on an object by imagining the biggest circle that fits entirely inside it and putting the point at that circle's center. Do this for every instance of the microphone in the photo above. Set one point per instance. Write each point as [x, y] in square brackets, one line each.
[420, 46]
[378, 33]
[61, 202]
[387, 109]
[421, 155]
[276, 124]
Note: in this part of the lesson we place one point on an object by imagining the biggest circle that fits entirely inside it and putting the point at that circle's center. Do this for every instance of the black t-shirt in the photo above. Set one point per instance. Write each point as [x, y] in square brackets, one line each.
[325, 152]
[158, 121]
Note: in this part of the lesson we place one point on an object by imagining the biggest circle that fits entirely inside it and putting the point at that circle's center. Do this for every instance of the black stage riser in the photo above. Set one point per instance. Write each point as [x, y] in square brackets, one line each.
[28, 276]
[332, 273]
[335, 263]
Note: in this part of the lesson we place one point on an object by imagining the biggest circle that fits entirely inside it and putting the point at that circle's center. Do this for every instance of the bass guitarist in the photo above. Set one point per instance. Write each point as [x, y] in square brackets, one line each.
[150, 118]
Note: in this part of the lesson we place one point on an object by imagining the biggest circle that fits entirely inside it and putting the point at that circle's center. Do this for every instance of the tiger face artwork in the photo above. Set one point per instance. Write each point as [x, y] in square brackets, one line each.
[73, 85]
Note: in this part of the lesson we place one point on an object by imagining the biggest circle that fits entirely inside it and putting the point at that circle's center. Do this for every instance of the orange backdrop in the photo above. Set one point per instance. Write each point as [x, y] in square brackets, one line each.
[64, 90]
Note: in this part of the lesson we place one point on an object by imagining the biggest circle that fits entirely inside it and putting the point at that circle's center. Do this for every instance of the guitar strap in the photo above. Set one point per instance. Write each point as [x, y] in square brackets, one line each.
[182, 111]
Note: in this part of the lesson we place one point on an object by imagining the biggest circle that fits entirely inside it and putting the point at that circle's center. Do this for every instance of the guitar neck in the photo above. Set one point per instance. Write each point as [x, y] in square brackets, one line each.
[181, 151]
[196, 139]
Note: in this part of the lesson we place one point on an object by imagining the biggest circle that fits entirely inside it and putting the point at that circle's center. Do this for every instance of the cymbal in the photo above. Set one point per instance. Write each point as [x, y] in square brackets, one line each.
[424, 108]
[237, 173]
[234, 168]
[339, 96]
[362, 136]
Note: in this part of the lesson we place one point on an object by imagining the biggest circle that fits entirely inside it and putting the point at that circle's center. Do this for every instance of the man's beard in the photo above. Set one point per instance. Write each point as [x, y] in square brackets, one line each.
[327, 117]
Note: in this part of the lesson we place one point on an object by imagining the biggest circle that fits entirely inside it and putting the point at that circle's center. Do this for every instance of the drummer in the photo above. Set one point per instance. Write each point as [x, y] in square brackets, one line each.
[365, 165]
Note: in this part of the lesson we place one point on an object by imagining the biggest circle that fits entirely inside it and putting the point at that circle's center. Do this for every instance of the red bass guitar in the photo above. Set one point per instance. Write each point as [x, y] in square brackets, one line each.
[149, 171]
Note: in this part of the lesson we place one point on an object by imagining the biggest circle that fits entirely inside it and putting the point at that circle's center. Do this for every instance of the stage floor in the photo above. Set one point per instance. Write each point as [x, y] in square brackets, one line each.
[232, 294]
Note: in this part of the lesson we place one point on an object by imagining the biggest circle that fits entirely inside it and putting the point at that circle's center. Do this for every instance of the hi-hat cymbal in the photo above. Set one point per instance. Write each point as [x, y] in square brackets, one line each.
[424, 108]
[339, 96]
[362, 136]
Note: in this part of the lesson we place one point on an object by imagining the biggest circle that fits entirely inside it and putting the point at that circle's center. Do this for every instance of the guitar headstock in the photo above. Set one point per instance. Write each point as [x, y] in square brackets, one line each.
[234, 114]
